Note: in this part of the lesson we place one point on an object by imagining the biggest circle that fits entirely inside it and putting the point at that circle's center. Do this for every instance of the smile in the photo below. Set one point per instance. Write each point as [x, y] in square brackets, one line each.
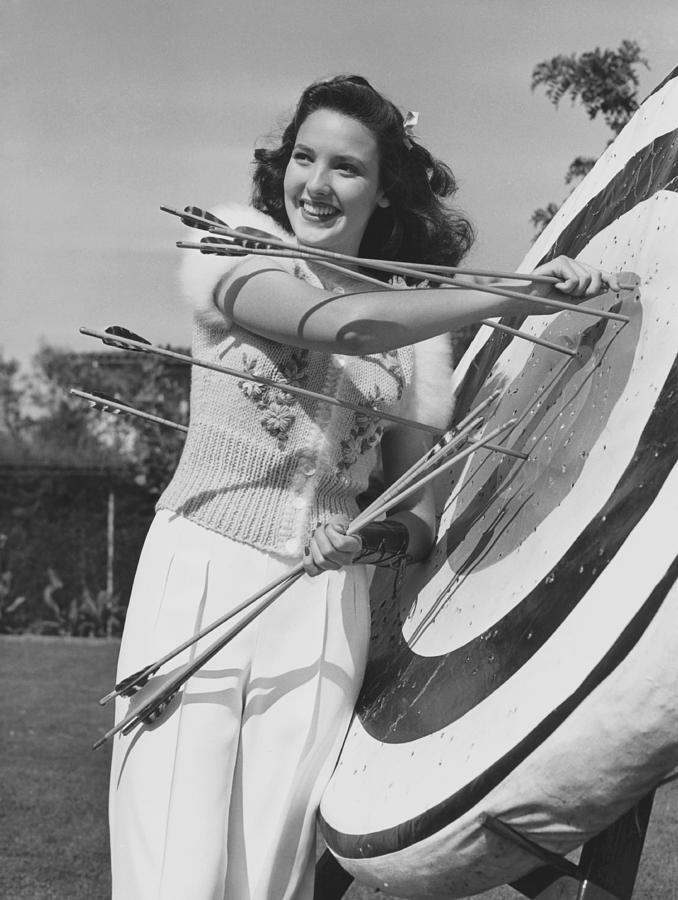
[317, 211]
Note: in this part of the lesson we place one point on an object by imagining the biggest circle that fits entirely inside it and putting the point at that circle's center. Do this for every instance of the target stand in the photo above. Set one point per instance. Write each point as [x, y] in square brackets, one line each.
[607, 867]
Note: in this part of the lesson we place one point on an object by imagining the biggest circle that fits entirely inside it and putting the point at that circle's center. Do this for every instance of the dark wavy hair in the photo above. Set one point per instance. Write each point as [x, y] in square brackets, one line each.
[417, 225]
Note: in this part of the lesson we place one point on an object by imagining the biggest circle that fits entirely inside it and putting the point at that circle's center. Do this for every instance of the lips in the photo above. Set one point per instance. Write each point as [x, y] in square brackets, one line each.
[317, 211]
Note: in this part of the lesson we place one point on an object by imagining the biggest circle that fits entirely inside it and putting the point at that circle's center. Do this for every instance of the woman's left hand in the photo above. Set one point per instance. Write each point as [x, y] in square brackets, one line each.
[330, 547]
[578, 279]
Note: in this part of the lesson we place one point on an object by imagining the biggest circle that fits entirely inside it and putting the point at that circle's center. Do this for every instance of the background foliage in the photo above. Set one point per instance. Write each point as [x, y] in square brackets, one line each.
[60, 463]
[605, 82]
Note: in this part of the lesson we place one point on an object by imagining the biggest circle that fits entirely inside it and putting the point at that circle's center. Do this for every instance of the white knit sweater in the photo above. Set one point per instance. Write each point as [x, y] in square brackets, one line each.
[262, 465]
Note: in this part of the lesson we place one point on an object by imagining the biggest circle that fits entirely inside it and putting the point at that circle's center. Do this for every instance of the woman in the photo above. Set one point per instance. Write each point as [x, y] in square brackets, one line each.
[217, 799]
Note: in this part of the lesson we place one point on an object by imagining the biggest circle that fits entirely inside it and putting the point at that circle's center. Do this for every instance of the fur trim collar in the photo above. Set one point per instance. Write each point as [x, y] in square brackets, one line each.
[199, 275]
[429, 397]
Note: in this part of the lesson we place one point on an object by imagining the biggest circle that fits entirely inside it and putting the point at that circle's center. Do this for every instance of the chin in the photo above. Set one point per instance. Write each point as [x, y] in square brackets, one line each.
[308, 232]
[313, 239]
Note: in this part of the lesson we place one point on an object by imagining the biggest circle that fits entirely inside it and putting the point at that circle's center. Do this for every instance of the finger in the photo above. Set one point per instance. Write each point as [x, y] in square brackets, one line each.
[601, 281]
[575, 277]
[312, 562]
[339, 523]
[564, 270]
[334, 544]
[566, 287]
[613, 282]
[321, 541]
[327, 557]
[336, 531]
[596, 284]
[582, 280]
[342, 543]
[609, 281]
[321, 550]
[323, 560]
[576, 286]
[309, 564]
[333, 559]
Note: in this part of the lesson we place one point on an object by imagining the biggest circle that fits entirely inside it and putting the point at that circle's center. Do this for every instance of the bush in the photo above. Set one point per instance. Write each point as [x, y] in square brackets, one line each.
[53, 550]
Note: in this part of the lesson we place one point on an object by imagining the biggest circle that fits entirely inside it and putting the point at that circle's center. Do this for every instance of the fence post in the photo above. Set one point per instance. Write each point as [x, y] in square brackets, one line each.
[110, 542]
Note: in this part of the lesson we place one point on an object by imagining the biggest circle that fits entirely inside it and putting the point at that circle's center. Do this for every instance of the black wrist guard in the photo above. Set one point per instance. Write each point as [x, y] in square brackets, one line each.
[384, 544]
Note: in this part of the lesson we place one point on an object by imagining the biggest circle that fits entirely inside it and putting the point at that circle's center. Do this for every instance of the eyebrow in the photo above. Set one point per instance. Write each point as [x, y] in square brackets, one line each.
[341, 157]
[346, 157]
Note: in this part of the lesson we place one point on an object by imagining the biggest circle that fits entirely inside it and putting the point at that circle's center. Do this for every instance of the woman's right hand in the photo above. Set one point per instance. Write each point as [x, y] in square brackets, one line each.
[330, 547]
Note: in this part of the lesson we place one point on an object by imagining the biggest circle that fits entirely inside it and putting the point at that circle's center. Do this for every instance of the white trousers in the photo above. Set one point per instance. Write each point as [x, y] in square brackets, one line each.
[217, 799]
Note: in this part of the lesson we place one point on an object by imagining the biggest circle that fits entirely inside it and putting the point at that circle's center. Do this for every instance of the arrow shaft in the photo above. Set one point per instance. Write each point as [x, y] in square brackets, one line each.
[270, 382]
[404, 269]
[221, 250]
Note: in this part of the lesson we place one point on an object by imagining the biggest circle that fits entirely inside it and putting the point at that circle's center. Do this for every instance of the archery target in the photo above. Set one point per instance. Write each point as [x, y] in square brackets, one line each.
[531, 674]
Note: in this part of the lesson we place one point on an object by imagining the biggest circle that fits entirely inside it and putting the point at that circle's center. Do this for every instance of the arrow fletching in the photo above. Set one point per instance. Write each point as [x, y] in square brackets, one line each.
[150, 701]
[264, 237]
[225, 247]
[151, 711]
[193, 215]
[127, 687]
[123, 333]
[103, 406]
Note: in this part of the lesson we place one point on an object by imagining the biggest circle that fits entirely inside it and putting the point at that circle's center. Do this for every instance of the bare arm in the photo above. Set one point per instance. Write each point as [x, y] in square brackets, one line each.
[400, 449]
[270, 302]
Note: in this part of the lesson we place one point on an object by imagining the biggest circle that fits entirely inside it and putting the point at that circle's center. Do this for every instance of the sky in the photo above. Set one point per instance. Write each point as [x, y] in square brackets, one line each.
[110, 109]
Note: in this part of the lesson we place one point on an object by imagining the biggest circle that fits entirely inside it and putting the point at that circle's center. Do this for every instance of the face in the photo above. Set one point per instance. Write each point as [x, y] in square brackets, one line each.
[332, 183]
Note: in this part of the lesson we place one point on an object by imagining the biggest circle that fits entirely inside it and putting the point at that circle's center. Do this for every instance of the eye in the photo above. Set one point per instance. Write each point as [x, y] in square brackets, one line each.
[349, 168]
[299, 155]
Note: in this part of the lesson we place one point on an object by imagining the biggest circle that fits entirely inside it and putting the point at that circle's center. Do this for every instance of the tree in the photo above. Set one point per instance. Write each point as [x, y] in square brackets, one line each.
[58, 429]
[40, 422]
[10, 398]
[605, 82]
[73, 478]
[140, 380]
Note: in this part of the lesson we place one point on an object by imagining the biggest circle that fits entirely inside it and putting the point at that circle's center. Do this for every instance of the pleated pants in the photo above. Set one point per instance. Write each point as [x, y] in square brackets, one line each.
[217, 799]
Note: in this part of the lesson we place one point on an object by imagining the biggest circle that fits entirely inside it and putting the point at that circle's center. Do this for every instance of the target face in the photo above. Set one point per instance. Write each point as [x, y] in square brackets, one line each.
[531, 674]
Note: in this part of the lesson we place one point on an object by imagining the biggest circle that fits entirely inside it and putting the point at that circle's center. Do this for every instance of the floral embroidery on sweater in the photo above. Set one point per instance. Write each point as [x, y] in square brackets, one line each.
[275, 403]
[393, 365]
[367, 432]
[359, 442]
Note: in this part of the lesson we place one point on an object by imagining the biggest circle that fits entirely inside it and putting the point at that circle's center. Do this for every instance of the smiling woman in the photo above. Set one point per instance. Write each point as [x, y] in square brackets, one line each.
[409, 187]
[332, 182]
[230, 776]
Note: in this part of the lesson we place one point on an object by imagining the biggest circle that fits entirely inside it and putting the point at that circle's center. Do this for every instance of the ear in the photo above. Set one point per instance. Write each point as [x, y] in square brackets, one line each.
[382, 200]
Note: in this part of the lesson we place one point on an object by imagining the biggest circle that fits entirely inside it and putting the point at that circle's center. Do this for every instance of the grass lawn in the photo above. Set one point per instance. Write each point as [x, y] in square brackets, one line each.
[53, 833]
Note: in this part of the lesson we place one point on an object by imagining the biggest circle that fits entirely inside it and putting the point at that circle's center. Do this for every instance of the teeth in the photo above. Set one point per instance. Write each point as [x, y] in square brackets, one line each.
[318, 210]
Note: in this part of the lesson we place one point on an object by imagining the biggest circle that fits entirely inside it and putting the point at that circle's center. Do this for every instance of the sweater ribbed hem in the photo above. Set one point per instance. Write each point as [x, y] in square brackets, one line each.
[274, 507]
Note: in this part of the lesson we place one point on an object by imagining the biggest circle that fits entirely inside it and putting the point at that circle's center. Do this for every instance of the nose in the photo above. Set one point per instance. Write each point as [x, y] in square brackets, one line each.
[318, 182]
